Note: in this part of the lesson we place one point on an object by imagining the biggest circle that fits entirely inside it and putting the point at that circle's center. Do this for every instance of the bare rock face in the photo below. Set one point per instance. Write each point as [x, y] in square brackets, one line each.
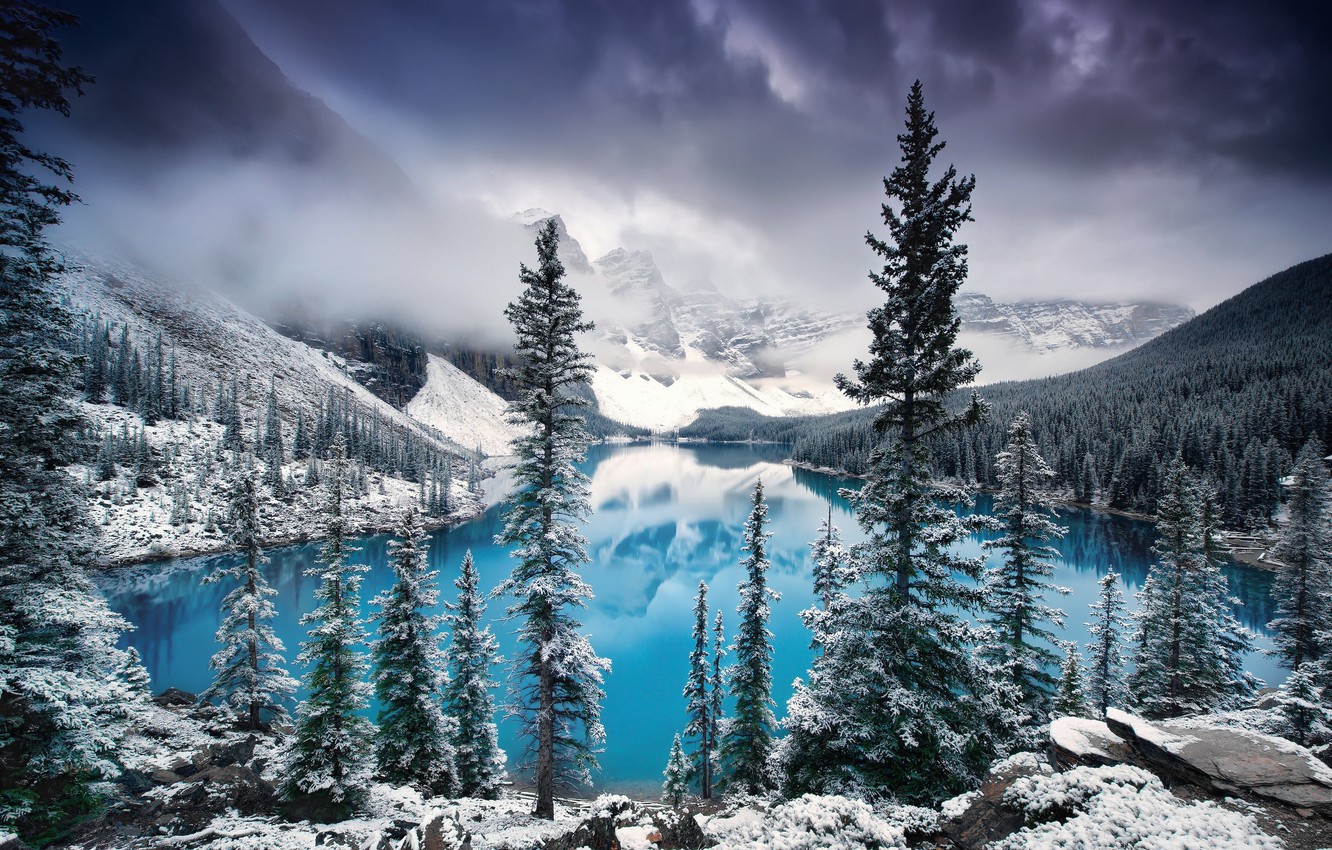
[1224, 761]
[987, 818]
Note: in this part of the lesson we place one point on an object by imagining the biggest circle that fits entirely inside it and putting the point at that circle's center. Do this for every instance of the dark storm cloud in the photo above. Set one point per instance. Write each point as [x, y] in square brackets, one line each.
[1117, 143]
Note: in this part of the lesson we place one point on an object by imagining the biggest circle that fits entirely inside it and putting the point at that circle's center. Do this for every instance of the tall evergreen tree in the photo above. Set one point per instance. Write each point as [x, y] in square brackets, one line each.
[896, 704]
[1303, 587]
[467, 693]
[329, 756]
[1014, 589]
[556, 676]
[248, 671]
[413, 742]
[716, 692]
[746, 741]
[1189, 647]
[1105, 678]
[697, 707]
[62, 688]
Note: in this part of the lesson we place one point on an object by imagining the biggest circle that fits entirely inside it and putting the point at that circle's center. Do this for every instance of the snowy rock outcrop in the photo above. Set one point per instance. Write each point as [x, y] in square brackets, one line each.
[1225, 761]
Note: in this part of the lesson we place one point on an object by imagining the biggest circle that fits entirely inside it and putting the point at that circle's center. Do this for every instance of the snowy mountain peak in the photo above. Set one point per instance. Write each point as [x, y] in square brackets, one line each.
[571, 253]
[1065, 324]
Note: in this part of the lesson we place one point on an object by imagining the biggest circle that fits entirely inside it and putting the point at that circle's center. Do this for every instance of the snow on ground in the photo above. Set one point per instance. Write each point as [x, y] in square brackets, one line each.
[1122, 807]
[462, 409]
[135, 523]
[811, 822]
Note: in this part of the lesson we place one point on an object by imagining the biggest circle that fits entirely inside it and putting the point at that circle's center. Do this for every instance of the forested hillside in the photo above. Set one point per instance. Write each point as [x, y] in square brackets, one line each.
[1236, 391]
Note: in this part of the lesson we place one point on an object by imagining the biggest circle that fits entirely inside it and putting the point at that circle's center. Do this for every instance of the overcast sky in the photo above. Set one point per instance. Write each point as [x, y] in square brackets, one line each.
[1169, 149]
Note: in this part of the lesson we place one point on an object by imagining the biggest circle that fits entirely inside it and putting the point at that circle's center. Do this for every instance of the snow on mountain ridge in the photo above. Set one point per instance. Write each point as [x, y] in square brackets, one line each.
[1067, 324]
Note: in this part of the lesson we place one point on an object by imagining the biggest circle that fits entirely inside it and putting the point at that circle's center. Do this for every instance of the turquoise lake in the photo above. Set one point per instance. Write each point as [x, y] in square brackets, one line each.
[665, 517]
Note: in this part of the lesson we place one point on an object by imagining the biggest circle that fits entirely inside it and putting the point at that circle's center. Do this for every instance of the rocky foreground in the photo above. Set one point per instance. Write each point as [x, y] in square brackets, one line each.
[194, 782]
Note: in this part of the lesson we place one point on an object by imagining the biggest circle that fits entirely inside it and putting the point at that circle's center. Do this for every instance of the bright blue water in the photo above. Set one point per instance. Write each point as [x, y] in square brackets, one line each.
[665, 517]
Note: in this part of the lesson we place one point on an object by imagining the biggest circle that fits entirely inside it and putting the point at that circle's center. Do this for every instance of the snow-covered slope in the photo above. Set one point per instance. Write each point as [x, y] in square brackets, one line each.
[460, 408]
[214, 339]
[213, 342]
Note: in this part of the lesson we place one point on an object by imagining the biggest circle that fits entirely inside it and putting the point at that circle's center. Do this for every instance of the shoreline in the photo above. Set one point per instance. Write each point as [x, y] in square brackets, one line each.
[111, 565]
[1254, 556]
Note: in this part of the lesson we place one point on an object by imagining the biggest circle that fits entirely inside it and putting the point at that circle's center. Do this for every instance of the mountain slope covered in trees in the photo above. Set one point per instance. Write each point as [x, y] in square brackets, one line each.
[1236, 391]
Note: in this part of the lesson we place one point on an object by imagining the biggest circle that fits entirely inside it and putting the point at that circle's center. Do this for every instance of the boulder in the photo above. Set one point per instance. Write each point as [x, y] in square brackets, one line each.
[987, 819]
[223, 755]
[679, 831]
[136, 781]
[442, 831]
[1080, 742]
[1224, 761]
[175, 697]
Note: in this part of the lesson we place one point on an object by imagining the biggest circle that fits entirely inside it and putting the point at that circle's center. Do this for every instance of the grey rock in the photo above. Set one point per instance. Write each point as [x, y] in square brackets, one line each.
[175, 697]
[987, 819]
[1228, 760]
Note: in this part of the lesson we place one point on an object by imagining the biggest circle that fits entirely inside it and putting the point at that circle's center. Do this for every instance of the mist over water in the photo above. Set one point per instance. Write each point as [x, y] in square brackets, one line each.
[664, 518]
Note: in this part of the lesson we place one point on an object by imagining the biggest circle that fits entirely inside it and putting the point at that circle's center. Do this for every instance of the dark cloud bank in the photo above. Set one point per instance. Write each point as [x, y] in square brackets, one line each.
[1167, 150]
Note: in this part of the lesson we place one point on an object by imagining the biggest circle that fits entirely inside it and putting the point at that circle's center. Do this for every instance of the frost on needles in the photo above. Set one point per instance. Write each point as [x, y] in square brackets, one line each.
[898, 704]
[555, 678]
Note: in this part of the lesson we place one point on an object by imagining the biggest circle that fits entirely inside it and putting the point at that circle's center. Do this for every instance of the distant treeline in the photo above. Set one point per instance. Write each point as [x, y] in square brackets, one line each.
[1235, 391]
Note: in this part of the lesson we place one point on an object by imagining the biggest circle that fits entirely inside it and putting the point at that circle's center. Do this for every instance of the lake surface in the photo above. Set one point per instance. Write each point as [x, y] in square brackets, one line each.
[665, 517]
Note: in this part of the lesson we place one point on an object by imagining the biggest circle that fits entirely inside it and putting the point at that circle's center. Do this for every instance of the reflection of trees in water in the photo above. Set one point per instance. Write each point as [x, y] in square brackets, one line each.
[1097, 542]
[1253, 588]
[826, 487]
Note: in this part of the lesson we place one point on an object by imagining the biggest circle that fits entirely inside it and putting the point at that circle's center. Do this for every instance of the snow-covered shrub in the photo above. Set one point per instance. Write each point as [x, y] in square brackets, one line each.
[811, 822]
[1108, 808]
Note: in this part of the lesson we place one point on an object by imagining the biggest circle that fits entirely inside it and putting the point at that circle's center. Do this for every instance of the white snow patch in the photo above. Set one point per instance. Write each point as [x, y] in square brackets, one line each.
[1080, 736]
[811, 822]
[1122, 807]
[1173, 744]
[462, 409]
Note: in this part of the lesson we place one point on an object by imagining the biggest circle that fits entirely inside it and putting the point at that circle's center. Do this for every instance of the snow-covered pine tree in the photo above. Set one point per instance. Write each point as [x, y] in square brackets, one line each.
[1188, 647]
[897, 704]
[300, 442]
[1069, 699]
[329, 757]
[829, 558]
[1303, 587]
[1014, 589]
[676, 775]
[699, 725]
[555, 680]
[414, 739]
[136, 675]
[747, 736]
[467, 693]
[61, 690]
[1105, 675]
[716, 692]
[1303, 700]
[248, 671]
